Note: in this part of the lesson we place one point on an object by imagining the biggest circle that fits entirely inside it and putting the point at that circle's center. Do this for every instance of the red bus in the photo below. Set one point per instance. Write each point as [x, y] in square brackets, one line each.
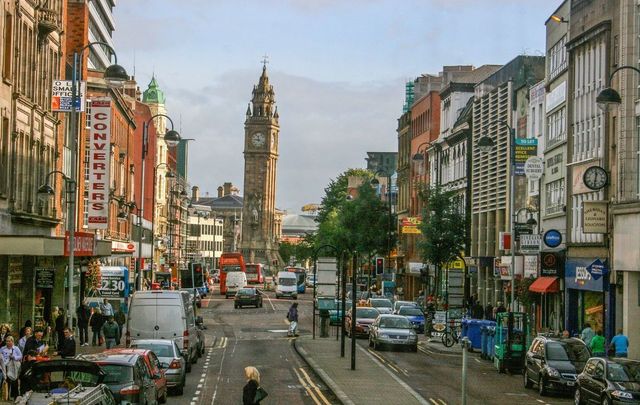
[229, 262]
[255, 273]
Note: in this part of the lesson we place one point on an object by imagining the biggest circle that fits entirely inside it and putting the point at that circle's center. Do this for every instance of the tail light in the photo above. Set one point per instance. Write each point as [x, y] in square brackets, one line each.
[132, 389]
[127, 340]
[185, 340]
[175, 364]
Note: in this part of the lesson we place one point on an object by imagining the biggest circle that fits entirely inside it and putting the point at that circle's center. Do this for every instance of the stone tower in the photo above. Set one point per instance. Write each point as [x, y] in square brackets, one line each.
[261, 129]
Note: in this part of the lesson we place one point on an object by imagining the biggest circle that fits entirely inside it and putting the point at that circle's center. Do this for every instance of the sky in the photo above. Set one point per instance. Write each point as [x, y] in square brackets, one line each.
[338, 68]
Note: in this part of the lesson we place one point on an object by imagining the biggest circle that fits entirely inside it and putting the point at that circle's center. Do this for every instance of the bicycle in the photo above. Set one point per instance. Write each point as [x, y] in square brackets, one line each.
[451, 335]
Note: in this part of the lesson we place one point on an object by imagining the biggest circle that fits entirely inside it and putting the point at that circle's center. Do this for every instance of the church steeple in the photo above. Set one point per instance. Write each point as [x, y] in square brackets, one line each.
[153, 93]
[263, 98]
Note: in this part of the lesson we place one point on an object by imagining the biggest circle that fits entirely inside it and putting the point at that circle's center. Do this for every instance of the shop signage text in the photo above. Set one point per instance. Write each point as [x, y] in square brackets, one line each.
[552, 238]
[99, 163]
[45, 277]
[594, 217]
[84, 243]
[524, 149]
[410, 225]
[61, 96]
[114, 282]
[552, 264]
[530, 243]
[598, 269]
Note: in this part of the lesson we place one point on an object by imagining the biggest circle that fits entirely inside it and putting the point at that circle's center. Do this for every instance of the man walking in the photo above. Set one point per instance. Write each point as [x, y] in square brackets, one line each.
[620, 344]
[106, 308]
[111, 333]
[587, 334]
[83, 313]
[67, 348]
[292, 316]
[121, 319]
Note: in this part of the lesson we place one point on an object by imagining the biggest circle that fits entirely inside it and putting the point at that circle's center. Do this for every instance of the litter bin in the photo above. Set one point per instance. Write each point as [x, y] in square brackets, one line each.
[324, 305]
[473, 333]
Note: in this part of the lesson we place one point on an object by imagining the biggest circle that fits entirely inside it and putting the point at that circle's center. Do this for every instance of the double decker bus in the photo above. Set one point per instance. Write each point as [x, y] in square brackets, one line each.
[255, 273]
[301, 276]
[229, 262]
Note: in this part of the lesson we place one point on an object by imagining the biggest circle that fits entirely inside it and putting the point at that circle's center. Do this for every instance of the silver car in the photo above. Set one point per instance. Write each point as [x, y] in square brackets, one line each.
[171, 361]
[393, 330]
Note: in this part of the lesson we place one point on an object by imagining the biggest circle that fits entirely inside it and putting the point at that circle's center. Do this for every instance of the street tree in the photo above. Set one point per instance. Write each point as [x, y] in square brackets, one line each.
[443, 230]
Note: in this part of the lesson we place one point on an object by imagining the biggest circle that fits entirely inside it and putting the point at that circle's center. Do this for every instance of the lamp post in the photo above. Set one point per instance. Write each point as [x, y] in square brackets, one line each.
[169, 175]
[315, 280]
[115, 76]
[171, 138]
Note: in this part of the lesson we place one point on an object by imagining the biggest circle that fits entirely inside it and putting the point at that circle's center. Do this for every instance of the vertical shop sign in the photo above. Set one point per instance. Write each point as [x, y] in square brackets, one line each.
[99, 159]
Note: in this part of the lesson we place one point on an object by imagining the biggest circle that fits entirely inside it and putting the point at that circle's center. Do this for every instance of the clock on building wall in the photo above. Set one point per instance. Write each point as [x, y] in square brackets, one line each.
[595, 178]
[258, 139]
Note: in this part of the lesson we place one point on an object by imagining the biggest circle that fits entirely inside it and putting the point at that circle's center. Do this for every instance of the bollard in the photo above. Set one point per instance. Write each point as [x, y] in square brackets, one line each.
[465, 345]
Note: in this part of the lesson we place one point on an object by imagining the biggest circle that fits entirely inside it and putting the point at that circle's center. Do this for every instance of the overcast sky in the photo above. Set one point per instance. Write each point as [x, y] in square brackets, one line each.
[338, 68]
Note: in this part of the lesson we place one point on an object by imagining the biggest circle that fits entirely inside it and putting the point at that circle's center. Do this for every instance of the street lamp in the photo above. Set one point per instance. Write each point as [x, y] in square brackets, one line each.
[609, 96]
[171, 138]
[115, 76]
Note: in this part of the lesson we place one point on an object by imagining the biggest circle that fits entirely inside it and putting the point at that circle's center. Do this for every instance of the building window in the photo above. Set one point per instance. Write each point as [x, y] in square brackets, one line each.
[8, 46]
[554, 197]
[557, 127]
[557, 58]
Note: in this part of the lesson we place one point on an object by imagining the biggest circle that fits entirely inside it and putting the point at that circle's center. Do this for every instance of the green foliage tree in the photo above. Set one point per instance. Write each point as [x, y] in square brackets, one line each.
[443, 230]
[302, 251]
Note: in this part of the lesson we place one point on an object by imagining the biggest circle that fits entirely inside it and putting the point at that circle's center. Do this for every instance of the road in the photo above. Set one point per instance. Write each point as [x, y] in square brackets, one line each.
[237, 338]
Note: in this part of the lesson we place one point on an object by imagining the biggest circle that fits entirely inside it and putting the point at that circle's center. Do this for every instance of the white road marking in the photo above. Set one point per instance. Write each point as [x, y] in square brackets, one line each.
[199, 386]
[215, 390]
[270, 302]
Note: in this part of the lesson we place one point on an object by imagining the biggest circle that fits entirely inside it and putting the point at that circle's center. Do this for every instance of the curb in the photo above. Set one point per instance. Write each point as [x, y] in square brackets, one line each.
[342, 397]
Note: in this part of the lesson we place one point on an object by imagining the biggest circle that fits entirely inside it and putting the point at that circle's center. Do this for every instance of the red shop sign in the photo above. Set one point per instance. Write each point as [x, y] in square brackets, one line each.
[84, 243]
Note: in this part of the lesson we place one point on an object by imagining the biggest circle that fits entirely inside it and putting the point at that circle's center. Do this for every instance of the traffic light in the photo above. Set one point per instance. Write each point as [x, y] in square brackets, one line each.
[379, 265]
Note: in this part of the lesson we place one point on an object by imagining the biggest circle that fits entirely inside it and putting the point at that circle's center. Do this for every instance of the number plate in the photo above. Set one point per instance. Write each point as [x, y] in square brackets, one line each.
[571, 383]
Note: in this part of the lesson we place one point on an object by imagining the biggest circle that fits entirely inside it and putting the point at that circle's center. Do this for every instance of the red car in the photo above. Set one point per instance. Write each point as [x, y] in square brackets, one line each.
[153, 365]
[364, 318]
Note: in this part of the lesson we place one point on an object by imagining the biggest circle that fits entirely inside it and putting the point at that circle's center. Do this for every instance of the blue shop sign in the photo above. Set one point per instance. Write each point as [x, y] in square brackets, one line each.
[552, 238]
[578, 274]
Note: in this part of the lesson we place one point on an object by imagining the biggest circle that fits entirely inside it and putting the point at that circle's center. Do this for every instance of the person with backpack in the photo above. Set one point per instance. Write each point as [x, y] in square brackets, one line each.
[292, 317]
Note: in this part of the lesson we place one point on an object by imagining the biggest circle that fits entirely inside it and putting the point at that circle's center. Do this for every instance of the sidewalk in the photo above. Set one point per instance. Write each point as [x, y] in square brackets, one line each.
[360, 386]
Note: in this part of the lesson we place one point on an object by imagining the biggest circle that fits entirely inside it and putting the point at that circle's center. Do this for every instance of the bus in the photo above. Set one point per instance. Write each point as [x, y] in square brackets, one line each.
[229, 262]
[255, 273]
[301, 274]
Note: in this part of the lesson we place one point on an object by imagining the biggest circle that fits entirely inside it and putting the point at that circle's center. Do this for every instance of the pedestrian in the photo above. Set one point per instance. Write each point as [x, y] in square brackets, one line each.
[60, 328]
[83, 313]
[121, 319]
[106, 309]
[252, 392]
[111, 333]
[597, 345]
[67, 349]
[5, 332]
[620, 344]
[48, 336]
[28, 332]
[566, 334]
[500, 308]
[3, 373]
[587, 334]
[28, 360]
[476, 310]
[36, 343]
[292, 317]
[27, 324]
[12, 357]
[96, 321]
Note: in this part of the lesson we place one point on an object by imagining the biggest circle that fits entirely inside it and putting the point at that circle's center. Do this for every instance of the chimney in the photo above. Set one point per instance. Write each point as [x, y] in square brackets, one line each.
[195, 193]
[220, 194]
[227, 188]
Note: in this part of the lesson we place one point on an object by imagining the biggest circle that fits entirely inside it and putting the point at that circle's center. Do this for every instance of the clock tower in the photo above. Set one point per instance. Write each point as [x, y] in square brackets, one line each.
[261, 129]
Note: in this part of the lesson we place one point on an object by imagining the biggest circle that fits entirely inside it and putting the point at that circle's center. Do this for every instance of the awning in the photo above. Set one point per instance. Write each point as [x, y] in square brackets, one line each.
[544, 285]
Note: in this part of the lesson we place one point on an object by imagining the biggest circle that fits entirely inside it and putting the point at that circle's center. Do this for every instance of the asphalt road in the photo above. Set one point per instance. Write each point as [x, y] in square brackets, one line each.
[237, 338]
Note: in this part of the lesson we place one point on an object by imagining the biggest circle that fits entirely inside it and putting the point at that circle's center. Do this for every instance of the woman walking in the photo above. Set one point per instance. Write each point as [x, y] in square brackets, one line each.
[252, 393]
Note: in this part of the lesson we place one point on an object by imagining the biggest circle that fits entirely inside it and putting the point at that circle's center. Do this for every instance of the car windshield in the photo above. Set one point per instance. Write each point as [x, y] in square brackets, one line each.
[410, 311]
[395, 323]
[381, 303]
[161, 350]
[367, 313]
[247, 291]
[287, 281]
[628, 372]
[117, 374]
[399, 304]
[567, 351]
[46, 380]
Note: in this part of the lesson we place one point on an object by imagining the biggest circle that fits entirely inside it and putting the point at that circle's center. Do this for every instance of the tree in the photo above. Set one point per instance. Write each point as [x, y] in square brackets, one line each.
[443, 230]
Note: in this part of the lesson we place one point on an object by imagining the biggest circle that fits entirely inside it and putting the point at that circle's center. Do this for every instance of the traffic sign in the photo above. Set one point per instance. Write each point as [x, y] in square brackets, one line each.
[533, 168]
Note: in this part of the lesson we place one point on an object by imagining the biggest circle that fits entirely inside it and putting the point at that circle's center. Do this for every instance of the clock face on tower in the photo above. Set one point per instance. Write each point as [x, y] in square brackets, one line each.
[258, 139]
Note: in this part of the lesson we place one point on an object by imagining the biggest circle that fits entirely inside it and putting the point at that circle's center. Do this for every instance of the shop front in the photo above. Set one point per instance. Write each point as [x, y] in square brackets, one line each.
[588, 295]
[548, 288]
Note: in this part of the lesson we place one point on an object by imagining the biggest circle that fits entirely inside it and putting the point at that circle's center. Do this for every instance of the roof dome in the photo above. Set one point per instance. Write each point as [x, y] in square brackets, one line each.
[153, 94]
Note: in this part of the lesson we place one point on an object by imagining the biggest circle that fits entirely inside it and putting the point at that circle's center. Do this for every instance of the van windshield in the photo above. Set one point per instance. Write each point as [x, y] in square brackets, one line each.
[287, 281]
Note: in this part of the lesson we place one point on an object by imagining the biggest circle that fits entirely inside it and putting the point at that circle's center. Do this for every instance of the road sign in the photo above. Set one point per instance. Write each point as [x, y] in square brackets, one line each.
[533, 168]
[530, 243]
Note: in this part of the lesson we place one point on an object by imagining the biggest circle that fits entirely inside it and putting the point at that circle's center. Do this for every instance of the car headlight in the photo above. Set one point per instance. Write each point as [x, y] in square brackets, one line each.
[552, 372]
[622, 394]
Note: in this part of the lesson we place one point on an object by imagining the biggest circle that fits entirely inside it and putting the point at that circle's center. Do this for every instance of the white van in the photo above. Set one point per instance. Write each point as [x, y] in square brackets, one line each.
[163, 314]
[287, 285]
[235, 281]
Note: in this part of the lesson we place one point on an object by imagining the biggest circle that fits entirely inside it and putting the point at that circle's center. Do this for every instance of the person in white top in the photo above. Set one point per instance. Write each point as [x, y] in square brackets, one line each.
[23, 340]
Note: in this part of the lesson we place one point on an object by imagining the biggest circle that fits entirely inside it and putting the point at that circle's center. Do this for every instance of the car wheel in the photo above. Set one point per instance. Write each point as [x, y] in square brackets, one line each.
[606, 400]
[577, 397]
[414, 348]
[542, 388]
[179, 390]
[527, 381]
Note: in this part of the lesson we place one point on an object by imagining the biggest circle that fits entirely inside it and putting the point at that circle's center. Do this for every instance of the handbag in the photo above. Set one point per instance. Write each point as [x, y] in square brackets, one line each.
[260, 395]
[13, 370]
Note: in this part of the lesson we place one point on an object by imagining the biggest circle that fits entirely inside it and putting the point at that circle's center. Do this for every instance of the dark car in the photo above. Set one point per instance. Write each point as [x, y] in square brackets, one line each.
[554, 363]
[128, 376]
[364, 318]
[609, 381]
[248, 296]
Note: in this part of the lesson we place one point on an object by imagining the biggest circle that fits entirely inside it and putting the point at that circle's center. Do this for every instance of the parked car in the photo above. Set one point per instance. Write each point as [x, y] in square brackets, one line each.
[364, 318]
[66, 381]
[248, 296]
[384, 305]
[171, 361]
[311, 280]
[392, 330]
[130, 376]
[194, 296]
[335, 315]
[609, 381]
[200, 335]
[554, 363]
[398, 304]
[414, 315]
[161, 314]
